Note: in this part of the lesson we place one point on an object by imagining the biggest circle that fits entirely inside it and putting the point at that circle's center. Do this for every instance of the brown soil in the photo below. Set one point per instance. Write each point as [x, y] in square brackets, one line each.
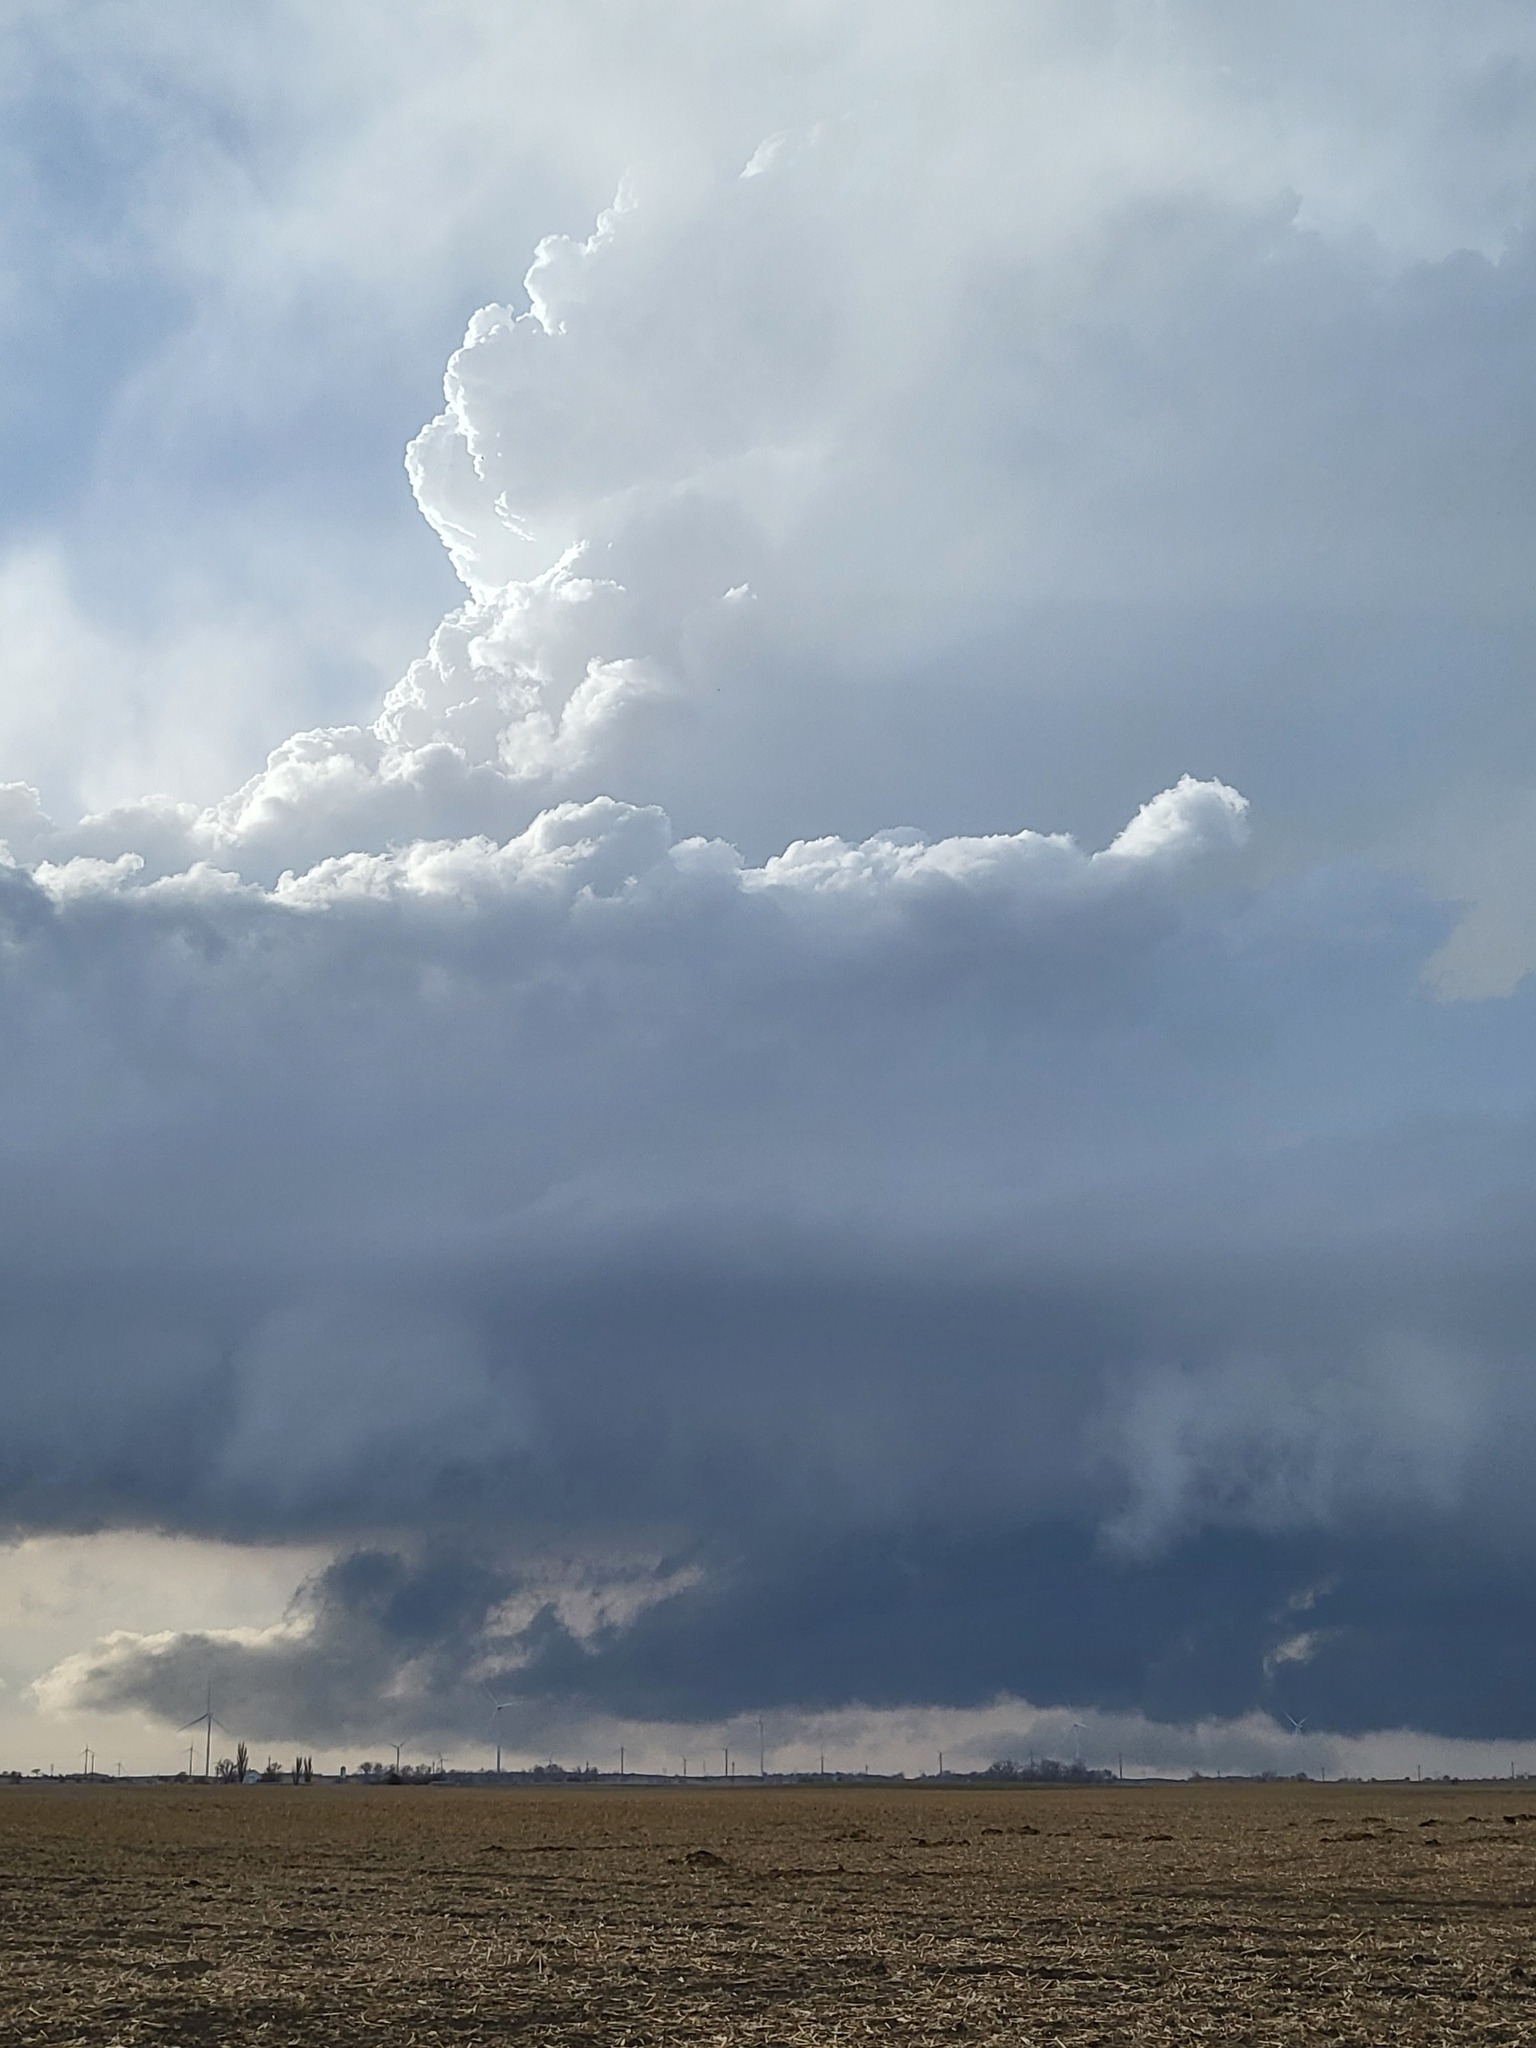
[1216, 1914]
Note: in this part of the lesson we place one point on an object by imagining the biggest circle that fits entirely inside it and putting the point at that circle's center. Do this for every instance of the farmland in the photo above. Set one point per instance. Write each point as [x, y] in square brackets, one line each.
[392, 1915]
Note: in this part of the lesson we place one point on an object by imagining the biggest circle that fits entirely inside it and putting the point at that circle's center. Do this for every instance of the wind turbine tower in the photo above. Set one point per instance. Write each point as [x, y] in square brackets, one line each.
[205, 1721]
[497, 1707]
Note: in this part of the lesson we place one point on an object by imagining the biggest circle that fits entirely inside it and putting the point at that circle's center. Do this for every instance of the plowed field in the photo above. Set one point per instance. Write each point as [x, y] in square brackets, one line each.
[1220, 1914]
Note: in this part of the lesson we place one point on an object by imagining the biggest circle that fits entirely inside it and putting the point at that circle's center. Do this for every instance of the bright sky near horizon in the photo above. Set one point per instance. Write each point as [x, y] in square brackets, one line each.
[831, 1015]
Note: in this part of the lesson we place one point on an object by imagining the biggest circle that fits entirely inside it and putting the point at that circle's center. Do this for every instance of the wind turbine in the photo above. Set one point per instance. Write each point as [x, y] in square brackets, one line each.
[497, 1706]
[205, 1721]
[1296, 1726]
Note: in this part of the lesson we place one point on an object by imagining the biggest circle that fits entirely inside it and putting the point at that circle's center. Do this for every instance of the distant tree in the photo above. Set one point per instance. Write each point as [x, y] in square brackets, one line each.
[1046, 1770]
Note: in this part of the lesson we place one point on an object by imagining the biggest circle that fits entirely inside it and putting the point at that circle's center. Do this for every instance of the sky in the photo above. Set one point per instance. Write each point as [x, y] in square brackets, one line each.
[768, 786]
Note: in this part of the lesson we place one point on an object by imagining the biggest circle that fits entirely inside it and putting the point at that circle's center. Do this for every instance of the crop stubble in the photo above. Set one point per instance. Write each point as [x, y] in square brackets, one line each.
[1208, 1913]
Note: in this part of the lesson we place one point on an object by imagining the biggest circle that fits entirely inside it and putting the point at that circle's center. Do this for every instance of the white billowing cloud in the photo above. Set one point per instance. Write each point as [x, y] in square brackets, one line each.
[1033, 290]
[911, 409]
[573, 853]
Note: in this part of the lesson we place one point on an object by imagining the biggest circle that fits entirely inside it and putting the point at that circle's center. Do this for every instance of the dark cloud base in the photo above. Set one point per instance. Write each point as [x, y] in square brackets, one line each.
[1371, 1635]
[829, 1484]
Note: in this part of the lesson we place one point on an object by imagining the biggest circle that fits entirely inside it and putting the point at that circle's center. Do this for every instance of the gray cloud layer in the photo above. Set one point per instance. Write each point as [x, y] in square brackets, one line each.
[686, 1262]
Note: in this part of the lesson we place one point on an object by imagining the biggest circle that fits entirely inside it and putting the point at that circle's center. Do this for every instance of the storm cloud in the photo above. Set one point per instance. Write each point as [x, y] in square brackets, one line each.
[896, 1070]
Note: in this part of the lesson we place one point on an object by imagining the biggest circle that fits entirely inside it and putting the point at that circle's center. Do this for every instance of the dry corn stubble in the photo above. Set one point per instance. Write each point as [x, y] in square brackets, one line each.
[1223, 1914]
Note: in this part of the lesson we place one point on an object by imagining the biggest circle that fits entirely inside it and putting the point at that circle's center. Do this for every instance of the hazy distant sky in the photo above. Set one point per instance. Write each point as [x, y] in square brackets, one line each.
[830, 1016]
